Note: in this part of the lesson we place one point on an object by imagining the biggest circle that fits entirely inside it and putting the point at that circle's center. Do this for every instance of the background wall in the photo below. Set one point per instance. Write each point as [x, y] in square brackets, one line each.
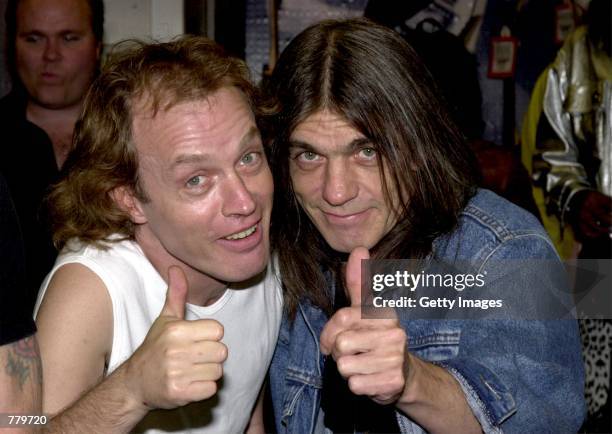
[242, 26]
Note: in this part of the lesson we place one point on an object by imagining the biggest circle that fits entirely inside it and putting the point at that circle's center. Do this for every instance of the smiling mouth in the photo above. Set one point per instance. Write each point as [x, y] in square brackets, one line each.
[243, 234]
[346, 220]
[343, 216]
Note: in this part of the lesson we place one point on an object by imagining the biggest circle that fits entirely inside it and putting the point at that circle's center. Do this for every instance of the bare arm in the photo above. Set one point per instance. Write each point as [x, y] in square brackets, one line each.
[20, 380]
[75, 325]
[108, 407]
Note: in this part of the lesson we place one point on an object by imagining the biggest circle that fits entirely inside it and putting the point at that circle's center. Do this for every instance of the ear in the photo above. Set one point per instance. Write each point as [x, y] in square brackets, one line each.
[127, 202]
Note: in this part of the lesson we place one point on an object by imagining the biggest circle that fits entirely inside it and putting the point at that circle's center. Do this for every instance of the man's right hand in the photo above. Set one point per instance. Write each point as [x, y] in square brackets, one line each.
[179, 361]
[593, 218]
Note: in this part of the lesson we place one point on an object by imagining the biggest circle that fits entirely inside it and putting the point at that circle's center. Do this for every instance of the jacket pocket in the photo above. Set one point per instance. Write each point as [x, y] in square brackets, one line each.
[435, 345]
[301, 392]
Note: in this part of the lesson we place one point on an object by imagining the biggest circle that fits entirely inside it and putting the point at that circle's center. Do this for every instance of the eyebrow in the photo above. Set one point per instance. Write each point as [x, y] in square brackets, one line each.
[198, 158]
[64, 32]
[353, 146]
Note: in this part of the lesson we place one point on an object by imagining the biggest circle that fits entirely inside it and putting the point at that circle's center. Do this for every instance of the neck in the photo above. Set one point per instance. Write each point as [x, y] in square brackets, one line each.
[58, 124]
[203, 290]
[42, 116]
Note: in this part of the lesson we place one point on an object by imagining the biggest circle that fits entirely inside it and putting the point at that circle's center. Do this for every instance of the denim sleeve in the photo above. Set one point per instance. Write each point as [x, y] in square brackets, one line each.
[520, 375]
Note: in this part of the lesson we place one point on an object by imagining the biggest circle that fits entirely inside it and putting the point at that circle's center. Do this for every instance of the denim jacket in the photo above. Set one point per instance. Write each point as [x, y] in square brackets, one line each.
[518, 376]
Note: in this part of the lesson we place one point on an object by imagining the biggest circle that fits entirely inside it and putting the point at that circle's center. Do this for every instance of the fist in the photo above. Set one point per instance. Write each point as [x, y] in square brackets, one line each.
[179, 361]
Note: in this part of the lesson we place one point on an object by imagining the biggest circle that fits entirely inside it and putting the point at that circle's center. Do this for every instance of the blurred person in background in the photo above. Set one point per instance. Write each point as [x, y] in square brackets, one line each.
[53, 51]
[567, 145]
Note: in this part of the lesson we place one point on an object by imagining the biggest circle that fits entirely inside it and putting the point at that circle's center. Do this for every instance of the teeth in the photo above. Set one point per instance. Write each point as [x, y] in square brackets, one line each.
[242, 234]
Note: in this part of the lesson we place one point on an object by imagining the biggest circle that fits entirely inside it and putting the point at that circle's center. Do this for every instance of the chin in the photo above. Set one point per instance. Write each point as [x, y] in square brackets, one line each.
[347, 246]
[342, 247]
[245, 270]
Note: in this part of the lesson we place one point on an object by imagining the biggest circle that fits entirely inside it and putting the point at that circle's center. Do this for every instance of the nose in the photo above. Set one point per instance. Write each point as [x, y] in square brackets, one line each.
[340, 186]
[238, 199]
[52, 50]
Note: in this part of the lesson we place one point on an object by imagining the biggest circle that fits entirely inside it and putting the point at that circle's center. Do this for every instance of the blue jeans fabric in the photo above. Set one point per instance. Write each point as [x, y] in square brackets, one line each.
[518, 375]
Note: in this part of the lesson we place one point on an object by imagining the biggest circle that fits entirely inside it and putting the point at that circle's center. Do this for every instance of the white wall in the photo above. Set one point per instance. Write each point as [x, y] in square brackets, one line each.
[142, 19]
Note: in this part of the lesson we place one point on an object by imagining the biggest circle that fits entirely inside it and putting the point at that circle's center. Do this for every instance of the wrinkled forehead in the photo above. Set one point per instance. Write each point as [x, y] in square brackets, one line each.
[152, 95]
[55, 14]
[154, 114]
[321, 120]
[221, 115]
[149, 105]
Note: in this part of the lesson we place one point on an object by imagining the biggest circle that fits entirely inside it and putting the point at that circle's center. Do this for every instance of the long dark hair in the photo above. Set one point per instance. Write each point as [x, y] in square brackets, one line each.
[369, 75]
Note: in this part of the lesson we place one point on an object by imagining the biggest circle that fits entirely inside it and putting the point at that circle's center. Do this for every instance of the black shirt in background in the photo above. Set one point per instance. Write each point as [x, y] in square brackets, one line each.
[15, 313]
[27, 162]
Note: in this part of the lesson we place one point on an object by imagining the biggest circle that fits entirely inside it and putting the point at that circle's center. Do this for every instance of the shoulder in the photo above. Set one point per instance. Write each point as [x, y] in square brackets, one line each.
[112, 261]
[490, 224]
[110, 266]
[73, 291]
[76, 297]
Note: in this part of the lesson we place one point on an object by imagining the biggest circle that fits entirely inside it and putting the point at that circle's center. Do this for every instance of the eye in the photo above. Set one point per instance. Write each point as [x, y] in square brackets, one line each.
[367, 153]
[32, 39]
[195, 181]
[308, 156]
[250, 158]
[71, 38]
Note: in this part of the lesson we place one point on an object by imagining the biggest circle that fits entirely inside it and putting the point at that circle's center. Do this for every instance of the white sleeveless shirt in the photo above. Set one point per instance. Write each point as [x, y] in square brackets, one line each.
[250, 317]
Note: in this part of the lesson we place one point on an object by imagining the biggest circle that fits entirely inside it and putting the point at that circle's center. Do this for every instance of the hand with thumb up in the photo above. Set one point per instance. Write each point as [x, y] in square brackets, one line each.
[179, 361]
[370, 353]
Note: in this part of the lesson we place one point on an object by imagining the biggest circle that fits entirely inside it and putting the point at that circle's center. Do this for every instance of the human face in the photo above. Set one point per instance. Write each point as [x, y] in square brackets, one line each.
[55, 51]
[203, 168]
[336, 179]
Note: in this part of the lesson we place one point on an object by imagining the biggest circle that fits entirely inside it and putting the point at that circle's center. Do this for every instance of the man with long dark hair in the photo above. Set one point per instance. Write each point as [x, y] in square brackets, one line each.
[367, 162]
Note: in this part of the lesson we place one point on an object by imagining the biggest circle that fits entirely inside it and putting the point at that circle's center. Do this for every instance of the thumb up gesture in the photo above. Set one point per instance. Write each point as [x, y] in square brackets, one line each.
[370, 353]
[179, 361]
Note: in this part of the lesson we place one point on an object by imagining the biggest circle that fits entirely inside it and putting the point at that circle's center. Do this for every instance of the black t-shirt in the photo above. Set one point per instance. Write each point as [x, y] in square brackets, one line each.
[15, 313]
[28, 165]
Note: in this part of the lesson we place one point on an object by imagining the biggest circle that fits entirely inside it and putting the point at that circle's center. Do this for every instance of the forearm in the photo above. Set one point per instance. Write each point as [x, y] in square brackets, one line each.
[110, 407]
[435, 400]
[20, 381]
